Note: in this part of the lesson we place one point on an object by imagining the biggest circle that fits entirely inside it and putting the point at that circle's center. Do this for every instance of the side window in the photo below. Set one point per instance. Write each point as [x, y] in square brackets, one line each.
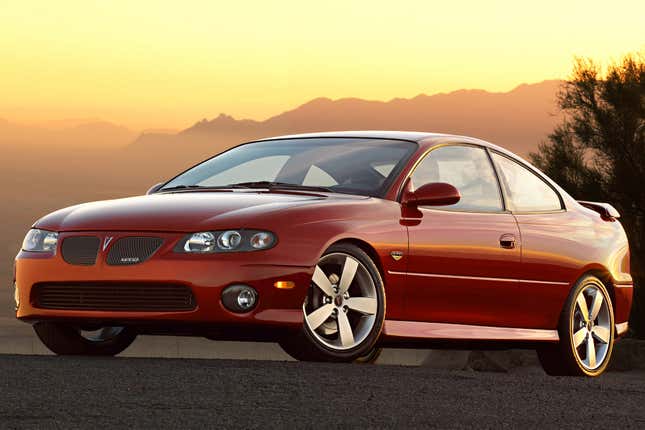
[467, 168]
[525, 190]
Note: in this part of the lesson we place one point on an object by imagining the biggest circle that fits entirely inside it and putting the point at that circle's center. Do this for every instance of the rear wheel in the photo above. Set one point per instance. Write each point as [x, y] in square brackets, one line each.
[343, 311]
[586, 332]
[65, 339]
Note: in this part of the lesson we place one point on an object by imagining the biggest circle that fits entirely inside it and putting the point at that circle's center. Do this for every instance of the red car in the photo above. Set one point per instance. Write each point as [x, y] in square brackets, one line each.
[334, 245]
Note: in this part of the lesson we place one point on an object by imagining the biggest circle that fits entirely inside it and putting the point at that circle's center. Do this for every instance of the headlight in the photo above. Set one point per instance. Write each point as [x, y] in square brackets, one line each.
[226, 241]
[200, 242]
[40, 241]
[229, 240]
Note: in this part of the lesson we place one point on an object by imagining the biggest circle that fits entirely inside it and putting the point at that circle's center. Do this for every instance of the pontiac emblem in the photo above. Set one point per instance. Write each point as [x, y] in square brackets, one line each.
[397, 255]
[107, 241]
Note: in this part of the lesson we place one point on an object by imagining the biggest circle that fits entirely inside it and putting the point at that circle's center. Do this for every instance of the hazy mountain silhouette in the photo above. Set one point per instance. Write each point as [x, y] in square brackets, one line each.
[61, 134]
[518, 119]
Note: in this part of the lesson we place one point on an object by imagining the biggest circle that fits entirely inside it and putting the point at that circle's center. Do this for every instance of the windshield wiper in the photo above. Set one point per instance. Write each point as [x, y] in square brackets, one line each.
[251, 185]
[179, 187]
[279, 185]
[194, 187]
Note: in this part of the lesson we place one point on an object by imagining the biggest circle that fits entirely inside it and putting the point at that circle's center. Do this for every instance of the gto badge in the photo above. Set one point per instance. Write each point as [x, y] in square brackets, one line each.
[129, 260]
[107, 241]
[397, 255]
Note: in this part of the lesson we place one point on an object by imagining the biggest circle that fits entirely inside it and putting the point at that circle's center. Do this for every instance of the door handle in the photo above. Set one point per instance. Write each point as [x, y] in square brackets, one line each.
[507, 241]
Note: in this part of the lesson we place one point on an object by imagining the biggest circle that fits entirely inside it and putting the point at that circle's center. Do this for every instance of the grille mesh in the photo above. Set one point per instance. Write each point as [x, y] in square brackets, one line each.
[134, 297]
[80, 250]
[132, 250]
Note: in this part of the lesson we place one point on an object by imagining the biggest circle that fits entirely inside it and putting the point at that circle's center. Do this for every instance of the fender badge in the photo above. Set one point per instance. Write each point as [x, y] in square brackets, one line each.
[107, 241]
[397, 255]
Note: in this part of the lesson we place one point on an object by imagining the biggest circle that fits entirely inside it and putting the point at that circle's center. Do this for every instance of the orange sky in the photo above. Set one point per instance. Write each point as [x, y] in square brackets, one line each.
[152, 64]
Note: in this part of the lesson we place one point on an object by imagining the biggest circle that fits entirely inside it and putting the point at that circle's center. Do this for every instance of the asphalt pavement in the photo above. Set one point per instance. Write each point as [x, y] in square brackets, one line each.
[63, 392]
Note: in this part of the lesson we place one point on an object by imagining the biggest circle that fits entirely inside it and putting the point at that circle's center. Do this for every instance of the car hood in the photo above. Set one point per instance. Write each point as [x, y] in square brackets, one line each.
[181, 212]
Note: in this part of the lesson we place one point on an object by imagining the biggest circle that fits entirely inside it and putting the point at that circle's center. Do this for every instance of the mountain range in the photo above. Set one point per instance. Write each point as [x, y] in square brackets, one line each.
[518, 119]
[61, 134]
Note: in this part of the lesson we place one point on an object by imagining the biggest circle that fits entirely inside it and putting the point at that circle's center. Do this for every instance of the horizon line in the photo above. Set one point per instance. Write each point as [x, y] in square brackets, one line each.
[80, 120]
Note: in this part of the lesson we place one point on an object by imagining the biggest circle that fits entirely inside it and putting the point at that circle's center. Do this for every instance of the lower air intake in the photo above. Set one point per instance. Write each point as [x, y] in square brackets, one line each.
[104, 296]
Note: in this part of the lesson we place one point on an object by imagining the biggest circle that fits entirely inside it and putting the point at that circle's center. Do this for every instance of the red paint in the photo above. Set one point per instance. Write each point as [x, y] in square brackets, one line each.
[435, 194]
[458, 267]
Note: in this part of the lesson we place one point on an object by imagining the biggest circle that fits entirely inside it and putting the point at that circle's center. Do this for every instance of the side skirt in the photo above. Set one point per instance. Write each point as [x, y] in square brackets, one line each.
[414, 332]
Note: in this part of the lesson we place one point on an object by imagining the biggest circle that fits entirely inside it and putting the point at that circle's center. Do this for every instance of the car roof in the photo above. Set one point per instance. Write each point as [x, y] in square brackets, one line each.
[425, 139]
[414, 136]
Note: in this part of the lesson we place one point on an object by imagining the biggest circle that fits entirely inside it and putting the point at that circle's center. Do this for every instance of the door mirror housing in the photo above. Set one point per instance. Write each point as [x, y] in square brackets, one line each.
[155, 188]
[433, 194]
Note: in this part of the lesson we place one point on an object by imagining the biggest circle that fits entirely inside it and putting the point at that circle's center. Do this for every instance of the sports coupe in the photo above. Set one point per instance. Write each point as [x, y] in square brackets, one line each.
[335, 245]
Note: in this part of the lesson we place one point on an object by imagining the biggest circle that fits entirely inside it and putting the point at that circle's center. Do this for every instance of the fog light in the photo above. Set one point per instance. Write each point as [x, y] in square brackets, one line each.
[16, 295]
[239, 298]
[246, 299]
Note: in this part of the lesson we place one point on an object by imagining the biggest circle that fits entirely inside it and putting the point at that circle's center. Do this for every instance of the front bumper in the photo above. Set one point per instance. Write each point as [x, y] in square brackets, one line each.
[205, 275]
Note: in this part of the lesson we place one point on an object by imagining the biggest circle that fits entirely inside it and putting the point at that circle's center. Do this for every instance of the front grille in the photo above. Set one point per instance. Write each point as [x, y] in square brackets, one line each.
[133, 250]
[134, 297]
[80, 250]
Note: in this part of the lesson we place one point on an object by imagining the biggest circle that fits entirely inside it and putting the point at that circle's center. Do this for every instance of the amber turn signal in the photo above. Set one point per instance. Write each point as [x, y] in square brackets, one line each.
[284, 285]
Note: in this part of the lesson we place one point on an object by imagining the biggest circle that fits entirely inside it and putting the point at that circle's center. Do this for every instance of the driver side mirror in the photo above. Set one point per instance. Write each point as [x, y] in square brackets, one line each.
[433, 194]
[155, 188]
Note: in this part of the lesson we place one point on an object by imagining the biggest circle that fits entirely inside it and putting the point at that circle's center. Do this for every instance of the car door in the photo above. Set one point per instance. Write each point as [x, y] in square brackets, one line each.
[462, 258]
[550, 234]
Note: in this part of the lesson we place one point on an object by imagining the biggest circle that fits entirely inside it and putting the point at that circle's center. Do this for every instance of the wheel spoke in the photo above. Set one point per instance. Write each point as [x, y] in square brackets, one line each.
[595, 305]
[319, 316]
[579, 337]
[591, 352]
[322, 282]
[582, 305]
[345, 330]
[108, 332]
[102, 334]
[601, 333]
[366, 305]
[349, 270]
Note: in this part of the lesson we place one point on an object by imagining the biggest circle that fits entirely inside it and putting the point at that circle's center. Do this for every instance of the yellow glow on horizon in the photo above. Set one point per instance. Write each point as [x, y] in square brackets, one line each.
[168, 64]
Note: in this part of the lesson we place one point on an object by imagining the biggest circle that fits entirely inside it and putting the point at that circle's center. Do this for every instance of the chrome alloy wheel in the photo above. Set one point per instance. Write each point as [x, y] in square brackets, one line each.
[340, 309]
[591, 327]
[101, 335]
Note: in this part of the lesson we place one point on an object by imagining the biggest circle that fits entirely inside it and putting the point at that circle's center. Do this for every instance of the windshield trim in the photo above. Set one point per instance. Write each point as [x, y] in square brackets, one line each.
[379, 193]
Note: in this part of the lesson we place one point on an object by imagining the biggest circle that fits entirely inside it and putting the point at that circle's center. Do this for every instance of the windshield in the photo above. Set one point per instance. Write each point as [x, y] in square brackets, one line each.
[345, 165]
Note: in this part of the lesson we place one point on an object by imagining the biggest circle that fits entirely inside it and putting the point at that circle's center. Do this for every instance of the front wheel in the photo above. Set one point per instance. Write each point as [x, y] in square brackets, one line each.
[344, 309]
[586, 332]
[65, 339]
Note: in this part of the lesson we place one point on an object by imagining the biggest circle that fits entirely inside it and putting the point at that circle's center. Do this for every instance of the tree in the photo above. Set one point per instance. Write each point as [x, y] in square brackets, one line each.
[598, 151]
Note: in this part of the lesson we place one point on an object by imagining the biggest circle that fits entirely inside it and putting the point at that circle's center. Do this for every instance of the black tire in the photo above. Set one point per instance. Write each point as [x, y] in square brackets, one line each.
[561, 359]
[65, 339]
[303, 344]
[370, 357]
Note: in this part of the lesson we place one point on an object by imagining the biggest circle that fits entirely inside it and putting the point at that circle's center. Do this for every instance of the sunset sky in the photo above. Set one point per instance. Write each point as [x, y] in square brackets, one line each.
[149, 64]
